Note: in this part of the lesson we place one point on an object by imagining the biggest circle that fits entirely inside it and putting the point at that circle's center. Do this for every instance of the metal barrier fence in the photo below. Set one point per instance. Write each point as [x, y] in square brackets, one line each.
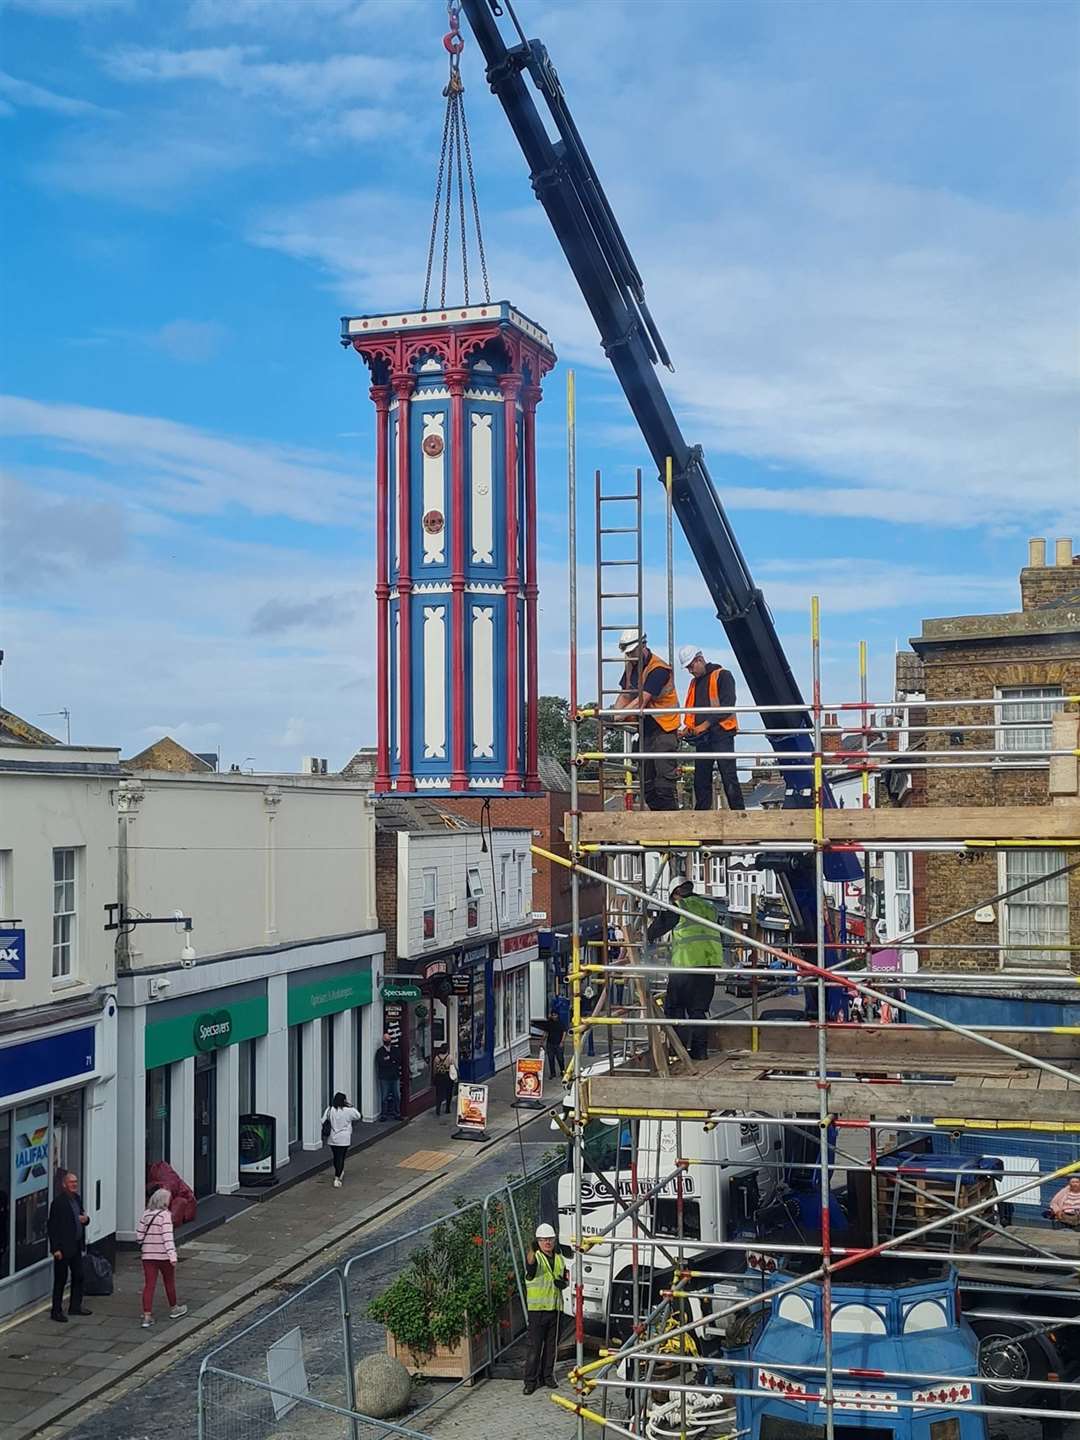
[292, 1372]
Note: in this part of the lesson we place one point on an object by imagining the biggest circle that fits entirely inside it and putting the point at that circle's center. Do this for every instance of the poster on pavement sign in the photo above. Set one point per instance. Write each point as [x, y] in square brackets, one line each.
[472, 1106]
[529, 1079]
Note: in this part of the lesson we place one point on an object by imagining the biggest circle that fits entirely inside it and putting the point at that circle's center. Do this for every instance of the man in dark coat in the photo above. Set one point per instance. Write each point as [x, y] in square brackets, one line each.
[388, 1073]
[67, 1241]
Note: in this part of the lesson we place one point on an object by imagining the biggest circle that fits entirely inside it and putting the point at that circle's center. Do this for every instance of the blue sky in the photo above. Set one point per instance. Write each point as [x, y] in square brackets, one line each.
[857, 226]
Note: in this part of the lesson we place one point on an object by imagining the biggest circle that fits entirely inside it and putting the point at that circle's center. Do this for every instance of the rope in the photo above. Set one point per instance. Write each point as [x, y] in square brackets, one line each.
[455, 144]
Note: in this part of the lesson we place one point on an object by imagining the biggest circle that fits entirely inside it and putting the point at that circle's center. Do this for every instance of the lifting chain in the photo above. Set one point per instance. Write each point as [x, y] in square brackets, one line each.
[455, 144]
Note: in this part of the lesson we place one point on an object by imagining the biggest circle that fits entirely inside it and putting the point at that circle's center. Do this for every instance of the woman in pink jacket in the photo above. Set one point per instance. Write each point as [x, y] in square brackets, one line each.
[155, 1235]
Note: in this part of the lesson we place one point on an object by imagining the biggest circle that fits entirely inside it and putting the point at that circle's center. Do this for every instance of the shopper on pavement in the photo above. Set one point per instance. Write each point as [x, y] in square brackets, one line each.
[554, 1030]
[445, 1073]
[388, 1072]
[157, 1245]
[545, 1280]
[340, 1116]
[693, 946]
[67, 1240]
[1065, 1206]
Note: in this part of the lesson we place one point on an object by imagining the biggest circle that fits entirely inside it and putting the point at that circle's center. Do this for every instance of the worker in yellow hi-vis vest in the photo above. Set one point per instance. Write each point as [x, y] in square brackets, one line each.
[545, 1280]
[693, 946]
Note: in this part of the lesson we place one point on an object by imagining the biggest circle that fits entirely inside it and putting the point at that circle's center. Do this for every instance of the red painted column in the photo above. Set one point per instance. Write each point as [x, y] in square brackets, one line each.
[404, 385]
[380, 394]
[531, 397]
[456, 377]
[510, 385]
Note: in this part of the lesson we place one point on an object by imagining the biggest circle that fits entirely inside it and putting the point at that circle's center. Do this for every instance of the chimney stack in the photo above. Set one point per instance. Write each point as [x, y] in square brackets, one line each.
[1036, 553]
[1063, 552]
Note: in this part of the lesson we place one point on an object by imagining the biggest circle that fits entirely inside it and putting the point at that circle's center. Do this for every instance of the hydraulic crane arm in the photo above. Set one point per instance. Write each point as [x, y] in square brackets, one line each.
[567, 186]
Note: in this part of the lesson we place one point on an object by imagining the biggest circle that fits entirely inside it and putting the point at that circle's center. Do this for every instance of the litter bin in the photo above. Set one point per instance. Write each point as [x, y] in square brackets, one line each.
[258, 1145]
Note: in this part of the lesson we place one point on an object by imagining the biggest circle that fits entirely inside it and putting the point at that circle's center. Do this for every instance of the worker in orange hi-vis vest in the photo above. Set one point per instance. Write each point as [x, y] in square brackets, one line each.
[712, 686]
[647, 683]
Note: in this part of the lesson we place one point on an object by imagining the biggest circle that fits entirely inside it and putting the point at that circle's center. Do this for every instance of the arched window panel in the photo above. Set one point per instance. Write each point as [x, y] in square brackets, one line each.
[794, 1308]
[858, 1320]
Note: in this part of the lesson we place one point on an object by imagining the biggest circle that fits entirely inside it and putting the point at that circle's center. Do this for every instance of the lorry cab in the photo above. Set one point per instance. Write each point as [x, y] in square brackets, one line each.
[889, 1325]
[714, 1197]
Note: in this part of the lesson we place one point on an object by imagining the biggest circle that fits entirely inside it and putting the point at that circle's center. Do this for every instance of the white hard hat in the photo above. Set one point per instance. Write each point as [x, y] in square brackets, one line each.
[687, 653]
[631, 639]
[677, 882]
[545, 1232]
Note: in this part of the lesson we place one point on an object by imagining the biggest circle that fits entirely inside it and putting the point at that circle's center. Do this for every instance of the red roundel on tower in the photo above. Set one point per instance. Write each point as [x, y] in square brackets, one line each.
[433, 520]
[433, 445]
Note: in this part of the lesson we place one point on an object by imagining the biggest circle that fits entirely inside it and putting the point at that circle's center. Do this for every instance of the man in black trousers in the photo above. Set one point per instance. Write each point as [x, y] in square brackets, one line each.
[67, 1241]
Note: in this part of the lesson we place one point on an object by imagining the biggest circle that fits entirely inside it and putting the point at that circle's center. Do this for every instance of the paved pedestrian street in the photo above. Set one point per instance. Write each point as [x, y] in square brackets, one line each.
[104, 1377]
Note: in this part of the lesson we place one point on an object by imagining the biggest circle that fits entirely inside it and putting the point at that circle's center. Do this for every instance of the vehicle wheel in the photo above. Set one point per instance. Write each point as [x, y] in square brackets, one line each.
[1006, 1363]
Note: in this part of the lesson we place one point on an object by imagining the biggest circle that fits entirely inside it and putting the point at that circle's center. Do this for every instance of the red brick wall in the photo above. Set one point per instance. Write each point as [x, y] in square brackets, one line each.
[386, 858]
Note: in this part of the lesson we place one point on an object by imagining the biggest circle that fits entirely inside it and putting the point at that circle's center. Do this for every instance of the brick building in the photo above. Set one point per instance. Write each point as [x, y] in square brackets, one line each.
[1030, 657]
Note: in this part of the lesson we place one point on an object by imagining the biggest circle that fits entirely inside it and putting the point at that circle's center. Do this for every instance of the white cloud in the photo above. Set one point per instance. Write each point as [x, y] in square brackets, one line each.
[191, 341]
[188, 471]
[34, 97]
[70, 9]
[308, 84]
[149, 168]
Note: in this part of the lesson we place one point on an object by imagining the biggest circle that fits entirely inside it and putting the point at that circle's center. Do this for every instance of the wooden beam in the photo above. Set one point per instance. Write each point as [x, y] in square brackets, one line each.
[880, 1043]
[659, 829]
[846, 1098]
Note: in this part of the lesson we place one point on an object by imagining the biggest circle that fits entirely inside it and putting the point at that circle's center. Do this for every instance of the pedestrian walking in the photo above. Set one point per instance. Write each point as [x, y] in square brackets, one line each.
[693, 946]
[555, 1031]
[713, 687]
[157, 1246]
[647, 684]
[338, 1119]
[388, 1073]
[545, 1279]
[445, 1072]
[66, 1228]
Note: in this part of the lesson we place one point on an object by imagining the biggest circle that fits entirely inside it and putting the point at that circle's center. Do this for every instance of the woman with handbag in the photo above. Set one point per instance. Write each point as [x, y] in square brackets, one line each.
[338, 1119]
[157, 1244]
[445, 1073]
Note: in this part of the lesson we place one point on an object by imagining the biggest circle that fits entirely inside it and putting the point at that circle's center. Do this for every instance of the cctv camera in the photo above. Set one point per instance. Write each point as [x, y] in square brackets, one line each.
[187, 955]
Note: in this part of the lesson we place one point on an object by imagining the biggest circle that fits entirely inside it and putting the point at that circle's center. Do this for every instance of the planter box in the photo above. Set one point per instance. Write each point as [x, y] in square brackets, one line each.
[449, 1362]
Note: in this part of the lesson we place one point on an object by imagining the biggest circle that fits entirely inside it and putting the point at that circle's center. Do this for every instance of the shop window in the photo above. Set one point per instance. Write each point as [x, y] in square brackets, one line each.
[65, 918]
[67, 1125]
[326, 1025]
[5, 1193]
[30, 1190]
[358, 1055]
[474, 890]
[246, 1062]
[902, 890]
[504, 1011]
[419, 1045]
[431, 895]
[521, 1003]
[479, 1012]
[158, 1095]
[296, 1082]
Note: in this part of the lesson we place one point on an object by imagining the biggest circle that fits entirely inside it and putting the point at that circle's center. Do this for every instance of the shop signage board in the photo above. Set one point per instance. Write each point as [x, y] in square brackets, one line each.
[529, 1079]
[329, 997]
[12, 954]
[400, 992]
[472, 1108]
[257, 1144]
[513, 943]
[176, 1037]
[38, 1063]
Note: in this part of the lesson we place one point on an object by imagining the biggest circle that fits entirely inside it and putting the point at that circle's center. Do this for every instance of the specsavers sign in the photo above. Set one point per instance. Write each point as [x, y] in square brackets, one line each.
[313, 999]
[175, 1037]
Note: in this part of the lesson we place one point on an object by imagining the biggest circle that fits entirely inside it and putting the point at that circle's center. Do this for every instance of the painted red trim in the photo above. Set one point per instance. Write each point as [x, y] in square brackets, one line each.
[510, 385]
[404, 385]
[531, 396]
[456, 377]
[380, 394]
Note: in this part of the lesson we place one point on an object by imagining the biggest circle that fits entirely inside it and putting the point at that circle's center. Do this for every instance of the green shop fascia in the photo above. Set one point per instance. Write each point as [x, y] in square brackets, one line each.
[176, 1037]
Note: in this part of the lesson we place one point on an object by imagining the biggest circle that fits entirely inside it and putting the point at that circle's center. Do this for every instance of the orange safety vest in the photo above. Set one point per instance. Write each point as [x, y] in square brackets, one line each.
[698, 724]
[668, 697]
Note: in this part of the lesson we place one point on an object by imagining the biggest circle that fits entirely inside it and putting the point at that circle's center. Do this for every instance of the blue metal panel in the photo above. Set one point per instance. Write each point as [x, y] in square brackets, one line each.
[438, 764]
[496, 765]
[38, 1063]
[484, 572]
[421, 569]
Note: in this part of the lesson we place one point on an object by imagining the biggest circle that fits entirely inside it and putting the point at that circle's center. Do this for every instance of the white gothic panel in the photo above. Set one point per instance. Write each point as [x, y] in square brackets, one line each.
[397, 684]
[394, 497]
[433, 520]
[483, 683]
[434, 682]
[482, 509]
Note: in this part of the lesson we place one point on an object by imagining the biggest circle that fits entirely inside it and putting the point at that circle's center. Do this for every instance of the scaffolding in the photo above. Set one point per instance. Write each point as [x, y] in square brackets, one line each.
[840, 1094]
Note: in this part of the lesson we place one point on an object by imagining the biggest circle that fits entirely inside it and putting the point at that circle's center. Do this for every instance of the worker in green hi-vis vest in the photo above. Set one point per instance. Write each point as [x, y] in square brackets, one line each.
[545, 1280]
[693, 946]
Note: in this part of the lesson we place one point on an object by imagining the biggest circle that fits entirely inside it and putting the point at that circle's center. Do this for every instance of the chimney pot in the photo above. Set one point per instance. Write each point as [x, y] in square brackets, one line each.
[1036, 552]
[1063, 552]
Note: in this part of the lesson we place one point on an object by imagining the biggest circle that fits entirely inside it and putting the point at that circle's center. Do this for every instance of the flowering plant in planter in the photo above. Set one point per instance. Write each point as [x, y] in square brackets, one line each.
[441, 1295]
